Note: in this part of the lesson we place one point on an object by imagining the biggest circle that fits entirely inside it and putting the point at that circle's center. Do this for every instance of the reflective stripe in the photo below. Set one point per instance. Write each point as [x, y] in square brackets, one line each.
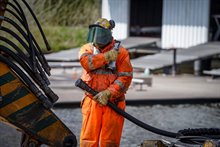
[121, 85]
[121, 74]
[90, 64]
[102, 71]
[95, 51]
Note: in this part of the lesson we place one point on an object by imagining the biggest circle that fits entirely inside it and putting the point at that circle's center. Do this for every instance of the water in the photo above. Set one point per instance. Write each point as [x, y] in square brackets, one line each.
[170, 118]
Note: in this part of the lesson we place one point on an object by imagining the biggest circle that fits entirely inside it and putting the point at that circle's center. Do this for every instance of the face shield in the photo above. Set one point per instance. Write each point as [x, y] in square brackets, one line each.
[99, 35]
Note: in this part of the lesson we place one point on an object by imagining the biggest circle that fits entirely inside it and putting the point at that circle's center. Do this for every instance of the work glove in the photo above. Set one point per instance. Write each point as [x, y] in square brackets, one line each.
[111, 55]
[103, 97]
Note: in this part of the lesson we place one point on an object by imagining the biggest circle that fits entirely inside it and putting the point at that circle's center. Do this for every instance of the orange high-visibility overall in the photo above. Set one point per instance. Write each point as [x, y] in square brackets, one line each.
[102, 126]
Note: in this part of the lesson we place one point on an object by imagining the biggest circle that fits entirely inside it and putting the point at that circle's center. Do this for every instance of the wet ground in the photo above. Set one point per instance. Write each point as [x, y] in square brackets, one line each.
[171, 118]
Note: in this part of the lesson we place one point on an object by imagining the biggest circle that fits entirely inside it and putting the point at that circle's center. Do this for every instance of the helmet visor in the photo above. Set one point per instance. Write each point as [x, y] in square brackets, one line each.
[99, 35]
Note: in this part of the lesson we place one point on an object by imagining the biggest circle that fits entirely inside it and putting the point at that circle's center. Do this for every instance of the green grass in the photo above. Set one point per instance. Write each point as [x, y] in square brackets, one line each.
[62, 37]
[64, 22]
[59, 37]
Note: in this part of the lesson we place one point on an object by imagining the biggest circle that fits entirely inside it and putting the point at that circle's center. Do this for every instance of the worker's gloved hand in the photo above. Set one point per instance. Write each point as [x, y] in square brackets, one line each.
[111, 55]
[103, 97]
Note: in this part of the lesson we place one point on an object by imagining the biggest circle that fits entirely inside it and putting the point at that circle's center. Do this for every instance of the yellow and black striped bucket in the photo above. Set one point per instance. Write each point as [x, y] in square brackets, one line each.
[21, 108]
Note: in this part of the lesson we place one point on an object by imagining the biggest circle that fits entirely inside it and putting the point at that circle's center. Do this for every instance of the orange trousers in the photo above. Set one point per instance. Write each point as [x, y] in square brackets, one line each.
[101, 126]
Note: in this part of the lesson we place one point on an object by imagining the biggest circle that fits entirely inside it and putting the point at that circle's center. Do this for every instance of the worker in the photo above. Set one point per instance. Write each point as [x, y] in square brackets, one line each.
[106, 69]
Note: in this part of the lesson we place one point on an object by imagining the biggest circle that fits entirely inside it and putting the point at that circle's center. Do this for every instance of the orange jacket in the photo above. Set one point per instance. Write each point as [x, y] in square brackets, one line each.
[97, 76]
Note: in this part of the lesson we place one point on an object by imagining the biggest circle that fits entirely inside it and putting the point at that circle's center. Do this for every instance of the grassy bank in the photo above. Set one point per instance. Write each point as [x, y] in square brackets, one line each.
[59, 37]
[64, 22]
[62, 37]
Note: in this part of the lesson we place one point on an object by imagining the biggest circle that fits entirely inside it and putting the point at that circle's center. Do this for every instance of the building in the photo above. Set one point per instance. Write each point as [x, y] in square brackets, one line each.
[179, 23]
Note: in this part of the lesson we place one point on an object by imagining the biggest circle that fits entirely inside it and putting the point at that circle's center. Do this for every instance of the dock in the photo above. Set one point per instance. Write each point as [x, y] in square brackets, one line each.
[130, 43]
[159, 60]
[69, 58]
[165, 58]
[139, 42]
[165, 90]
[70, 55]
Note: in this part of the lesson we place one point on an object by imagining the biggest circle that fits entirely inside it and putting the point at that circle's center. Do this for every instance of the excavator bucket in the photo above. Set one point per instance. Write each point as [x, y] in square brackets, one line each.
[21, 108]
[25, 96]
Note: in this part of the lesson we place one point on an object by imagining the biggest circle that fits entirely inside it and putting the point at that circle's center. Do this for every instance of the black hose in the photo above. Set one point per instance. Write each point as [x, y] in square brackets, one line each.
[41, 31]
[16, 37]
[140, 123]
[27, 82]
[15, 8]
[35, 77]
[8, 20]
[44, 63]
[189, 135]
[40, 56]
[15, 15]
[206, 132]
[33, 51]
[23, 56]
[38, 78]
[31, 38]
[19, 51]
[20, 61]
[81, 84]
[38, 24]
[27, 49]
